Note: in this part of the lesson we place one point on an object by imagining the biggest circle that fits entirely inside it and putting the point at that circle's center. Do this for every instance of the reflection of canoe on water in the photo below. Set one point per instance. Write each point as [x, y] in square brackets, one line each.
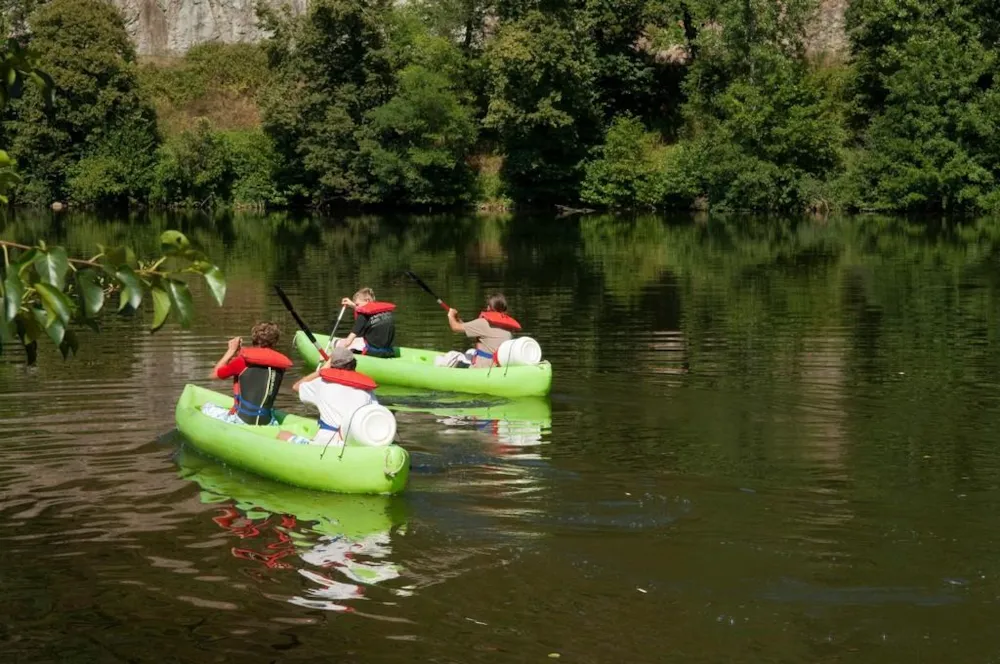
[415, 368]
[516, 422]
[352, 551]
[333, 514]
[535, 410]
[350, 469]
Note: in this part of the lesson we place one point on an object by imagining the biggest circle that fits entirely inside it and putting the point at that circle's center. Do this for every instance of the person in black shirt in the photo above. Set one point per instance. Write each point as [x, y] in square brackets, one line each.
[374, 323]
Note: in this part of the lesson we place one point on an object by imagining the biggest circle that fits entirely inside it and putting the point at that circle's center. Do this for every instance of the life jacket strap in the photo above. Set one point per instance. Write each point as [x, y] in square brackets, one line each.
[244, 407]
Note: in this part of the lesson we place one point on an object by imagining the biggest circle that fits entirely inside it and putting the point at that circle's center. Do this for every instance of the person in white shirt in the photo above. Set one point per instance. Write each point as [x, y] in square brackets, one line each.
[337, 390]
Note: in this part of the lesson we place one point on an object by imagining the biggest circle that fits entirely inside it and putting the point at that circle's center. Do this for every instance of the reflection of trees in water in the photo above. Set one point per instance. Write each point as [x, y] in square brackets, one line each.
[729, 297]
[816, 308]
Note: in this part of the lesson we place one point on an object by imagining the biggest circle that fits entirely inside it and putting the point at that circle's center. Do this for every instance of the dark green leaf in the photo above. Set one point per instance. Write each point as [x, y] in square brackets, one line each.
[118, 256]
[16, 86]
[161, 307]
[48, 88]
[28, 331]
[28, 328]
[131, 294]
[12, 298]
[55, 329]
[180, 296]
[70, 344]
[52, 266]
[91, 293]
[56, 302]
[173, 242]
[216, 281]
[31, 351]
[25, 260]
[194, 256]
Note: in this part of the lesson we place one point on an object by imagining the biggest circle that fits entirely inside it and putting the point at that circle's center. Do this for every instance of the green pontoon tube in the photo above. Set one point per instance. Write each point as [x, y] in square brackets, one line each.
[348, 469]
[415, 368]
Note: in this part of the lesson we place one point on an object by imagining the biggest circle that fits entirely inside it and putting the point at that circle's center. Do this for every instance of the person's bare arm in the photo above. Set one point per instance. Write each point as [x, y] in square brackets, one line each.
[227, 357]
[454, 322]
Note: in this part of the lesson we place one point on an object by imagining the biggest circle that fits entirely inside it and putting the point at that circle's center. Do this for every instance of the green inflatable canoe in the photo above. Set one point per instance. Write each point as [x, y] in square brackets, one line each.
[415, 368]
[332, 514]
[350, 469]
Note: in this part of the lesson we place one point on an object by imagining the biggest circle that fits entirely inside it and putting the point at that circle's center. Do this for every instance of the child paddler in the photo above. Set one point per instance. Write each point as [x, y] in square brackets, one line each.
[374, 323]
[337, 390]
[256, 374]
[493, 327]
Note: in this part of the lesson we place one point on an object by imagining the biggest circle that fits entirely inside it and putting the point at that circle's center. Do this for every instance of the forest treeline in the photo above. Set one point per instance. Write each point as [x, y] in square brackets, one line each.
[654, 104]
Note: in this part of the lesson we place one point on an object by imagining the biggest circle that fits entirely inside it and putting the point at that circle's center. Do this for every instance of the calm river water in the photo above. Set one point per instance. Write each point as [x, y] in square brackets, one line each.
[767, 441]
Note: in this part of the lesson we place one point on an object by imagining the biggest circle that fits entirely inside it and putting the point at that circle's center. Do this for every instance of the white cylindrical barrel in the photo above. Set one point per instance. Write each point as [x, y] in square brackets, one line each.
[520, 351]
[371, 426]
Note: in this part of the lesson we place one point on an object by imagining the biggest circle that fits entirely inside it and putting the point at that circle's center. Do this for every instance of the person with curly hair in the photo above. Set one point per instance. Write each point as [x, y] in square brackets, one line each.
[256, 373]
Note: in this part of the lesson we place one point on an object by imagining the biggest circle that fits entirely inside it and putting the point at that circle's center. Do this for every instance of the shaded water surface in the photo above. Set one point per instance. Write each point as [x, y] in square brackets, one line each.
[766, 442]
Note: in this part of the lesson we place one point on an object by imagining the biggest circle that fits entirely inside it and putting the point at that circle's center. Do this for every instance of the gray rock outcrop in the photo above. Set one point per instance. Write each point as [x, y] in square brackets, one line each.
[171, 27]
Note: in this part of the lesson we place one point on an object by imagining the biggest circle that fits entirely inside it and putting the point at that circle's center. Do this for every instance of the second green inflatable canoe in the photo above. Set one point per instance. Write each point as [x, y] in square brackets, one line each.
[415, 368]
[347, 469]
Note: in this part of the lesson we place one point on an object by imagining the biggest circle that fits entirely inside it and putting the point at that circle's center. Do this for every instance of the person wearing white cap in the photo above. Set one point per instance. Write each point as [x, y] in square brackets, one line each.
[337, 390]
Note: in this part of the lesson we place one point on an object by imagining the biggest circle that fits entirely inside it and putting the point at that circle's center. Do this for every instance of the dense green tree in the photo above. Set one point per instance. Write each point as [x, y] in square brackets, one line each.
[543, 105]
[254, 164]
[14, 16]
[761, 129]
[415, 147]
[634, 169]
[83, 45]
[628, 78]
[334, 65]
[194, 169]
[930, 106]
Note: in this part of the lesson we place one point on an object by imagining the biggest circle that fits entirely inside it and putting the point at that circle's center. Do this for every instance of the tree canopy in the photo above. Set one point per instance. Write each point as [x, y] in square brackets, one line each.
[654, 104]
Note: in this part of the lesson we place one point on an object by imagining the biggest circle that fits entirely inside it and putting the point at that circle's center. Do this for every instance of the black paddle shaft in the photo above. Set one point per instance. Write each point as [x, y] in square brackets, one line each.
[298, 319]
[420, 282]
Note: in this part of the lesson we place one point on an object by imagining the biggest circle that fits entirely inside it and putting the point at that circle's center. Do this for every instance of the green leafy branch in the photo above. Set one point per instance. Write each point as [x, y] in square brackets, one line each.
[45, 292]
[17, 67]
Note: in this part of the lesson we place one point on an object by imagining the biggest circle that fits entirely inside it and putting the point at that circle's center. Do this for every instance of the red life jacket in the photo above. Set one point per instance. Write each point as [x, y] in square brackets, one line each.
[265, 357]
[503, 321]
[372, 308]
[348, 377]
[257, 385]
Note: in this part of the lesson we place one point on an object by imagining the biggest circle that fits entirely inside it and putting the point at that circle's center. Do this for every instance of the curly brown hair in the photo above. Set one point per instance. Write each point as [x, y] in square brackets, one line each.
[265, 335]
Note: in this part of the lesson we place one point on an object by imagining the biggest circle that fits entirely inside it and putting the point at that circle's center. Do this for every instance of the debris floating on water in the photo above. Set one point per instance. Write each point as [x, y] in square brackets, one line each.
[554, 655]
[473, 620]
[642, 590]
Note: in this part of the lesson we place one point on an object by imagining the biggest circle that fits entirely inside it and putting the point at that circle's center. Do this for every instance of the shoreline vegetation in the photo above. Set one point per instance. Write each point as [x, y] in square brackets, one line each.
[496, 105]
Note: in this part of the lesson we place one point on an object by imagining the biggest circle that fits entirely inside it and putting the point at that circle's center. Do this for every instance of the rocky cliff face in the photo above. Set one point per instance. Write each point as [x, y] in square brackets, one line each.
[171, 27]
[827, 37]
